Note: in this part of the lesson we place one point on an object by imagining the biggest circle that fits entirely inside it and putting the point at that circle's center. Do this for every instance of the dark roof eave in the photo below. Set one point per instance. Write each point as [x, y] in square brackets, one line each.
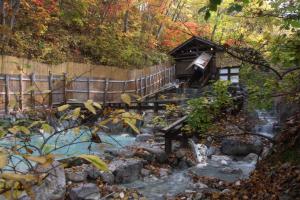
[198, 39]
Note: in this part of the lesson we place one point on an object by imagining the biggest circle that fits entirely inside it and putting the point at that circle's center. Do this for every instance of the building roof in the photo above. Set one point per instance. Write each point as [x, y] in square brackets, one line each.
[194, 41]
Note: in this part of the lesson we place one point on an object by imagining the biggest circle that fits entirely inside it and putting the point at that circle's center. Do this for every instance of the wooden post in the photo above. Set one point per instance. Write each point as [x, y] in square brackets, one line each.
[168, 143]
[156, 103]
[106, 85]
[7, 94]
[65, 88]
[141, 86]
[32, 92]
[50, 85]
[88, 88]
[136, 86]
[21, 91]
[169, 72]
[124, 86]
[146, 85]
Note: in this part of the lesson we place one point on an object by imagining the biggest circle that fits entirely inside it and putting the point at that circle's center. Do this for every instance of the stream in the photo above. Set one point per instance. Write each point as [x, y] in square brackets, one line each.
[218, 166]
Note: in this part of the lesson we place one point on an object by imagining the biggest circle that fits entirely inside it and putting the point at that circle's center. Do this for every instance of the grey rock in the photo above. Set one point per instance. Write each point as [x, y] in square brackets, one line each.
[191, 163]
[163, 172]
[107, 177]
[160, 155]
[145, 172]
[212, 151]
[93, 173]
[75, 176]
[251, 157]
[54, 185]
[229, 170]
[144, 137]
[183, 164]
[120, 152]
[145, 155]
[87, 191]
[200, 185]
[225, 191]
[240, 148]
[198, 196]
[221, 158]
[147, 130]
[180, 153]
[127, 170]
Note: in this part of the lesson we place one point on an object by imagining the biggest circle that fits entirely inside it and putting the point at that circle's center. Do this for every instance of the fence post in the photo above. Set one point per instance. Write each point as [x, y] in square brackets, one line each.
[88, 88]
[32, 92]
[7, 94]
[125, 85]
[50, 85]
[65, 88]
[156, 103]
[136, 86]
[21, 91]
[146, 85]
[141, 86]
[169, 72]
[106, 84]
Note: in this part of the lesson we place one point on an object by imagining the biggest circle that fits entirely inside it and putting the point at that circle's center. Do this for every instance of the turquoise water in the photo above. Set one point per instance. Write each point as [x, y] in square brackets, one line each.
[66, 144]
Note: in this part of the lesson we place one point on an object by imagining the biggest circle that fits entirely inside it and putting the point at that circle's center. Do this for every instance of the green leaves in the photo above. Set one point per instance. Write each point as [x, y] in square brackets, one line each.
[96, 161]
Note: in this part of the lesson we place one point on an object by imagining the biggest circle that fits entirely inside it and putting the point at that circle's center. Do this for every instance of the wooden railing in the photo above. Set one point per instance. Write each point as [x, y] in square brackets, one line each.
[19, 92]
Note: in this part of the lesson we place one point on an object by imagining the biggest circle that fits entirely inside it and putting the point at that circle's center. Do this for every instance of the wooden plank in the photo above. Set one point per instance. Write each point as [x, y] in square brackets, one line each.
[21, 91]
[174, 124]
[125, 85]
[106, 86]
[32, 92]
[50, 86]
[7, 96]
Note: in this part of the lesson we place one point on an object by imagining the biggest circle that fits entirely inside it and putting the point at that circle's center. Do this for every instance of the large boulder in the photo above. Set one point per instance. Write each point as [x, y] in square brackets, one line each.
[126, 171]
[54, 185]
[85, 191]
[93, 173]
[240, 148]
[160, 155]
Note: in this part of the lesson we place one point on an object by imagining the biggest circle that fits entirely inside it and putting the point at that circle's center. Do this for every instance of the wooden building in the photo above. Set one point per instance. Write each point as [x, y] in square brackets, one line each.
[198, 60]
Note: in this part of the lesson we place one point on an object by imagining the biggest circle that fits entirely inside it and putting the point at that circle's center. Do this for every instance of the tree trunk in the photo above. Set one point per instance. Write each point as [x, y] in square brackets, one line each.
[126, 19]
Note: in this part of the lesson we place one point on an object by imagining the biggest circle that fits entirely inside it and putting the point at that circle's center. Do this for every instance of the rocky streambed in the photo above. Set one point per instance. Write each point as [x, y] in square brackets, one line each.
[140, 169]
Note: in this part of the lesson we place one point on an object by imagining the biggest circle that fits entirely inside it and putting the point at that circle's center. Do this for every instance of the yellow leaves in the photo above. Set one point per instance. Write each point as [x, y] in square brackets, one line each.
[42, 160]
[17, 129]
[47, 128]
[89, 105]
[3, 159]
[63, 107]
[97, 105]
[76, 113]
[132, 125]
[96, 161]
[126, 98]
[19, 177]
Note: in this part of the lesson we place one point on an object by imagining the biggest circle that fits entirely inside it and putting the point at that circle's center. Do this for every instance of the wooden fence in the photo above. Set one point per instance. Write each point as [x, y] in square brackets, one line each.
[19, 92]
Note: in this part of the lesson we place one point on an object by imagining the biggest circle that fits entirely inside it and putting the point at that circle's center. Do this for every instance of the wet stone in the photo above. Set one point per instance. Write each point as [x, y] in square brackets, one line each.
[126, 170]
[144, 137]
[75, 176]
[87, 191]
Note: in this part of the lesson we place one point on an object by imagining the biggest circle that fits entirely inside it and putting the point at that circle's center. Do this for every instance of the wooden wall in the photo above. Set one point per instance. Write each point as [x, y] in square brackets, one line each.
[50, 85]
